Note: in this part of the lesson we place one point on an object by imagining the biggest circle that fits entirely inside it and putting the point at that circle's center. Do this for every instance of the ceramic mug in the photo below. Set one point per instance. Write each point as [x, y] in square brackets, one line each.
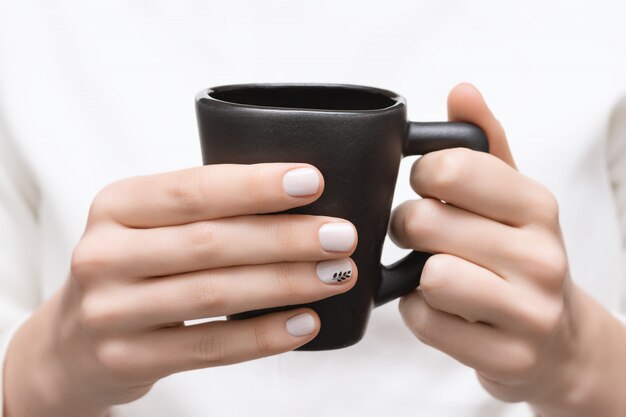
[356, 136]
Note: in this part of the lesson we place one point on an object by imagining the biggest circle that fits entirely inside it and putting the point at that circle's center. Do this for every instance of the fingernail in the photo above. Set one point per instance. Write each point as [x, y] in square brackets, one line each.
[301, 181]
[338, 237]
[334, 271]
[301, 325]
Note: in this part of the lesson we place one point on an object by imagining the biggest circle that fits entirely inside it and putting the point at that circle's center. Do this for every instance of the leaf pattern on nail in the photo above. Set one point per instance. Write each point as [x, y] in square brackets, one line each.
[341, 276]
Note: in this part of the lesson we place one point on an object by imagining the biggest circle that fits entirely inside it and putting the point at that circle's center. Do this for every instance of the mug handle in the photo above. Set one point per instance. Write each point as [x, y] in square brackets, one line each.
[403, 276]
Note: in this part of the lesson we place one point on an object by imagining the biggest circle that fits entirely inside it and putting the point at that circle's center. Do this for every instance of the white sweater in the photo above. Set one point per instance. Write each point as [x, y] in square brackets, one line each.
[91, 92]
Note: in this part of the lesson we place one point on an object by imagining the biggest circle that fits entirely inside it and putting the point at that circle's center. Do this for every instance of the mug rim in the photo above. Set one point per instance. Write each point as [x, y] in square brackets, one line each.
[205, 95]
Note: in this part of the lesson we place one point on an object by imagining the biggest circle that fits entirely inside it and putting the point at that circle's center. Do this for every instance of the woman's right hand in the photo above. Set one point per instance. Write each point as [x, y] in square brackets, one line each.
[163, 249]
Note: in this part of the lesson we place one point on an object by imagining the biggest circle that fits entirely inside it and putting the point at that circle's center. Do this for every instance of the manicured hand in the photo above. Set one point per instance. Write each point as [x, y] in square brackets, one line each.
[163, 249]
[497, 295]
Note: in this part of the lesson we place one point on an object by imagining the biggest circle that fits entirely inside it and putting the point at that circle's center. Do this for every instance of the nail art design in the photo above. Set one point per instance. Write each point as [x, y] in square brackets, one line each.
[334, 271]
[341, 276]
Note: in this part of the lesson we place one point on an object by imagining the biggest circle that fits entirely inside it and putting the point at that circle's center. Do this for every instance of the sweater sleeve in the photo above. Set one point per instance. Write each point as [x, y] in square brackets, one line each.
[19, 244]
[616, 148]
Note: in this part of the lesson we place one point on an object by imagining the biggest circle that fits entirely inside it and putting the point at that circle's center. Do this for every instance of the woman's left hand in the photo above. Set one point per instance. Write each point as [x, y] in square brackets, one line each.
[497, 295]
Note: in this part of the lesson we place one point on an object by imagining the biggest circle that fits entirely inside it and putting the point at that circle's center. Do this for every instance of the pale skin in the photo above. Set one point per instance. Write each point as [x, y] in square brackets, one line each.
[159, 250]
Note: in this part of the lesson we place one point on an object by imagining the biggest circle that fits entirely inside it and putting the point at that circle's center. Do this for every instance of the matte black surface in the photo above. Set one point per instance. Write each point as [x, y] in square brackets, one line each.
[356, 137]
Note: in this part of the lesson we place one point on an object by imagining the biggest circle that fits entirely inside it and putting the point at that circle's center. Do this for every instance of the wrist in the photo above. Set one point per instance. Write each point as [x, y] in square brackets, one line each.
[591, 378]
[38, 378]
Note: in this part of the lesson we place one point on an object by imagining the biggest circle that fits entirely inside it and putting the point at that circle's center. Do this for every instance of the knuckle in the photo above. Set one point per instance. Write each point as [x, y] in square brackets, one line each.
[116, 359]
[545, 320]
[81, 264]
[547, 264]
[88, 260]
[189, 195]
[559, 268]
[209, 294]
[209, 350]
[286, 284]
[547, 206]
[101, 204]
[96, 314]
[256, 184]
[264, 341]
[286, 234]
[522, 364]
[449, 168]
[89, 313]
[201, 239]
[420, 219]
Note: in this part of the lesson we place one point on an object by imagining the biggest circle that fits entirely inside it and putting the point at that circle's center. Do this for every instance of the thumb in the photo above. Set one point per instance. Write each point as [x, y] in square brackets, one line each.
[466, 104]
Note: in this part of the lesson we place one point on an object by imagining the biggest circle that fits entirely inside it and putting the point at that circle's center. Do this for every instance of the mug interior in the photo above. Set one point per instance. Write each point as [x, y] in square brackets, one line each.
[319, 97]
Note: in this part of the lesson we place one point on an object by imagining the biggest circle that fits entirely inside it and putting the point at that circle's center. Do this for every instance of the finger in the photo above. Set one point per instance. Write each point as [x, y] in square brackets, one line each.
[243, 240]
[490, 351]
[466, 104]
[220, 292]
[485, 185]
[429, 225]
[208, 192]
[456, 286]
[217, 343]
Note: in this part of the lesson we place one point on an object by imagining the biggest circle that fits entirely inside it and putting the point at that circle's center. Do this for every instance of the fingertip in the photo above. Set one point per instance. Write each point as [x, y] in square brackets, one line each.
[405, 303]
[356, 238]
[464, 88]
[355, 272]
[338, 235]
[463, 95]
[321, 179]
[316, 318]
[399, 224]
[303, 181]
[467, 104]
[303, 324]
[319, 175]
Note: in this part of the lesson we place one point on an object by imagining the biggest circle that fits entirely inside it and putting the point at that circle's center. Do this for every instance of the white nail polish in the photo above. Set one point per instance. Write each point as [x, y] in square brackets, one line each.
[301, 181]
[301, 325]
[338, 237]
[334, 271]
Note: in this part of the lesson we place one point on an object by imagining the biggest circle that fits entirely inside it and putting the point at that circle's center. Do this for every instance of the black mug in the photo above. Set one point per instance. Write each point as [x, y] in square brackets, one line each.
[356, 136]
